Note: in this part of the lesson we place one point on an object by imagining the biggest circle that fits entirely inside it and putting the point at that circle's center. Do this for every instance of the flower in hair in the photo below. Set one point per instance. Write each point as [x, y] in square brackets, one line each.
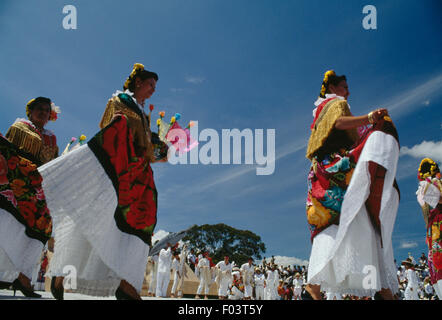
[430, 168]
[325, 82]
[55, 110]
[137, 67]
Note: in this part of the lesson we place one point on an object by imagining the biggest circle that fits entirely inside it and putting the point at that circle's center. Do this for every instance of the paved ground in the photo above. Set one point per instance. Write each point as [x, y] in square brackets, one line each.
[9, 295]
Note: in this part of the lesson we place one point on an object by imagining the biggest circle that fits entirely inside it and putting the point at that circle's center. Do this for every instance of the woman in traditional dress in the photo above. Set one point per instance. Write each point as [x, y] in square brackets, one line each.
[104, 200]
[30, 135]
[25, 222]
[429, 196]
[354, 161]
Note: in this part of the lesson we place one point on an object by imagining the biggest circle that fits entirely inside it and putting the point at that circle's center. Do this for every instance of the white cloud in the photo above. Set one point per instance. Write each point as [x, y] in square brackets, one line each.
[177, 90]
[408, 244]
[235, 173]
[158, 235]
[411, 98]
[426, 103]
[195, 79]
[426, 149]
[285, 261]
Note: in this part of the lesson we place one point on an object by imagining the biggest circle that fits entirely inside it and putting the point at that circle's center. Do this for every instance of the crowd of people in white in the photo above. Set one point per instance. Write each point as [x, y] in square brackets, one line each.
[248, 281]
[263, 281]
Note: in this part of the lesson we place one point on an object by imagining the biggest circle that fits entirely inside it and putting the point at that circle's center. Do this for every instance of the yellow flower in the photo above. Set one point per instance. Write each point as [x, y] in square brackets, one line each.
[328, 74]
[137, 66]
[317, 215]
[158, 122]
[435, 232]
[30, 102]
[433, 168]
[82, 137]
[28, 111]
[127, 83]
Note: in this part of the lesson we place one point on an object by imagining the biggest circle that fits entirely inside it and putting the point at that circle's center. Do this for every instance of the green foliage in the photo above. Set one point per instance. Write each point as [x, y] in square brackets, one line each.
[221, 240]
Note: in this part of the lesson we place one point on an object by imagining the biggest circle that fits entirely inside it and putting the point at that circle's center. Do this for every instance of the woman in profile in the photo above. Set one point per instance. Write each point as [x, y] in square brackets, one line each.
[353, 167]
[25, 222]
[104, 200]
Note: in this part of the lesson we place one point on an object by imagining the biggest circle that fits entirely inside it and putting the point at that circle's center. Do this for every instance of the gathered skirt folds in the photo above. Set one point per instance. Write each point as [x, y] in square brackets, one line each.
[89, 249]
[352, 257]
[18, 252]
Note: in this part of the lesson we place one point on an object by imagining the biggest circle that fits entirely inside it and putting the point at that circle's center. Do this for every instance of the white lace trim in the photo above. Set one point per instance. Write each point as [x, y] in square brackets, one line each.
[131, 94]
[327, 96]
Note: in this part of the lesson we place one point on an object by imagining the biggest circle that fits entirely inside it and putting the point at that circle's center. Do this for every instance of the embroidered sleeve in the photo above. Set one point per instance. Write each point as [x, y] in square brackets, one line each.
[325, 124]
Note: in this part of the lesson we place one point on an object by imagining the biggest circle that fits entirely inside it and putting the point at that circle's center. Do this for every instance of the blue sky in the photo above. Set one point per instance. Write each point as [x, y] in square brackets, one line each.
[235, 64]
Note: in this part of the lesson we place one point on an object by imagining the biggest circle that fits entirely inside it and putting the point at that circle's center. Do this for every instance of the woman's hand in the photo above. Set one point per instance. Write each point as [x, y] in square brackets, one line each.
[377, 115]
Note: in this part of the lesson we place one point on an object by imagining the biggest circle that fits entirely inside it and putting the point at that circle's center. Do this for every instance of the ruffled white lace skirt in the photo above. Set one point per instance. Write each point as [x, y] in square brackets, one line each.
[18, 252]
[350, 258]
[90, 251]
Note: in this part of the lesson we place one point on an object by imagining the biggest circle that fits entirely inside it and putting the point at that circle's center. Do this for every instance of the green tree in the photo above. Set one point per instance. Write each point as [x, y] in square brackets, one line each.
[221, 240]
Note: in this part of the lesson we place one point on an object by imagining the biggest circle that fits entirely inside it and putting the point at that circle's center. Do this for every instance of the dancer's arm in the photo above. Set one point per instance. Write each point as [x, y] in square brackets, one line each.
[348, 122]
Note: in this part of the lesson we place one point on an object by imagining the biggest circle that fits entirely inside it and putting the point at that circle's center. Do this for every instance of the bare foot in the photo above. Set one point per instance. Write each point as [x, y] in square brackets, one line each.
[129, 289]
[59, 283]
[25, 281]
[387, 294]
[314, 290]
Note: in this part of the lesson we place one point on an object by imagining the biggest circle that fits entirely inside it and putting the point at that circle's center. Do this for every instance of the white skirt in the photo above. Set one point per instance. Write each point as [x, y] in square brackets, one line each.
[438, 288]
[349, 258]
[89, 247]
[18, 252]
